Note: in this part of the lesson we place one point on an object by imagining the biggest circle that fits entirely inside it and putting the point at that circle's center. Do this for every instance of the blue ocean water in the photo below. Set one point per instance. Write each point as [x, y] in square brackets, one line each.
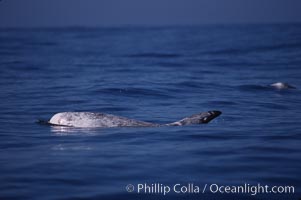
[156, 74]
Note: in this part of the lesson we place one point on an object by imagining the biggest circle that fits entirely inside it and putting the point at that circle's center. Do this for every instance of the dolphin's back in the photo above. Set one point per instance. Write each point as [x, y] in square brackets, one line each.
[89, 119]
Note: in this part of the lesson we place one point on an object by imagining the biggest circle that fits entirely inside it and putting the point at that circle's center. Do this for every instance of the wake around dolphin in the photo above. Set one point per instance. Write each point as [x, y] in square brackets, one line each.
[91, 119]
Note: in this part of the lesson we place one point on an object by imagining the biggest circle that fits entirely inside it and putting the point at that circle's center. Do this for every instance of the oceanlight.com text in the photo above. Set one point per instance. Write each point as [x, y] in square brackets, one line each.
[192, 188]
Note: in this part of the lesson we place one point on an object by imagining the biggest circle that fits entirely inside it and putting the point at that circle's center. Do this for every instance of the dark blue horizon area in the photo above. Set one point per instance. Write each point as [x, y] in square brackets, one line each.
[34, 13]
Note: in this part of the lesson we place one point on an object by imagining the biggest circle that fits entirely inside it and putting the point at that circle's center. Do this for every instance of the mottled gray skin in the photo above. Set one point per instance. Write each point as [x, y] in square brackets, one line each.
[89, 119]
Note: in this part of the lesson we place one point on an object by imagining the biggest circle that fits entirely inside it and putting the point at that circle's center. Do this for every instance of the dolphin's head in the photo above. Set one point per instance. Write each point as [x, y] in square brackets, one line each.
[200, 118]
[61, 119]
[206, 117]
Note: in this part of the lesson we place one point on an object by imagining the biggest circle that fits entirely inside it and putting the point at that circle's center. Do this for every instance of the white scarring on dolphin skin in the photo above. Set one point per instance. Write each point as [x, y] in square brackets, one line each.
[90, 119]
[281, 86]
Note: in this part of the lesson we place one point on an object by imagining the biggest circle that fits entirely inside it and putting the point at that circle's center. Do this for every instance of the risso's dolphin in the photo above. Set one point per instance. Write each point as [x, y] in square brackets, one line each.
[281, 86]
[91, 119]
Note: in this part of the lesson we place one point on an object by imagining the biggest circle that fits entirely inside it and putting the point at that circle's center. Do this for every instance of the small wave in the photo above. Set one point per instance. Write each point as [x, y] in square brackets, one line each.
[41, 43]
[252, 87]
[9, 52]
[134, 92]
[10, 62]
[200, 85]
[113, 109]
[190, 84]
[208, 137]
[273, 106]
[226, 51]
[279, 46]
[216, 103]
[154, 55]
[21, 67]
[171, 64]
[236, 51]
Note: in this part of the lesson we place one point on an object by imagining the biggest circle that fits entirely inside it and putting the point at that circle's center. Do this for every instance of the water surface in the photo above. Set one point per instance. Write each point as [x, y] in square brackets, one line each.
[156, 74]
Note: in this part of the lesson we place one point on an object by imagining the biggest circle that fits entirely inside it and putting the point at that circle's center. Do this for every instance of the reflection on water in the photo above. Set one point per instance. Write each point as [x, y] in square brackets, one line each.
[71, 147]
[64, 130]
